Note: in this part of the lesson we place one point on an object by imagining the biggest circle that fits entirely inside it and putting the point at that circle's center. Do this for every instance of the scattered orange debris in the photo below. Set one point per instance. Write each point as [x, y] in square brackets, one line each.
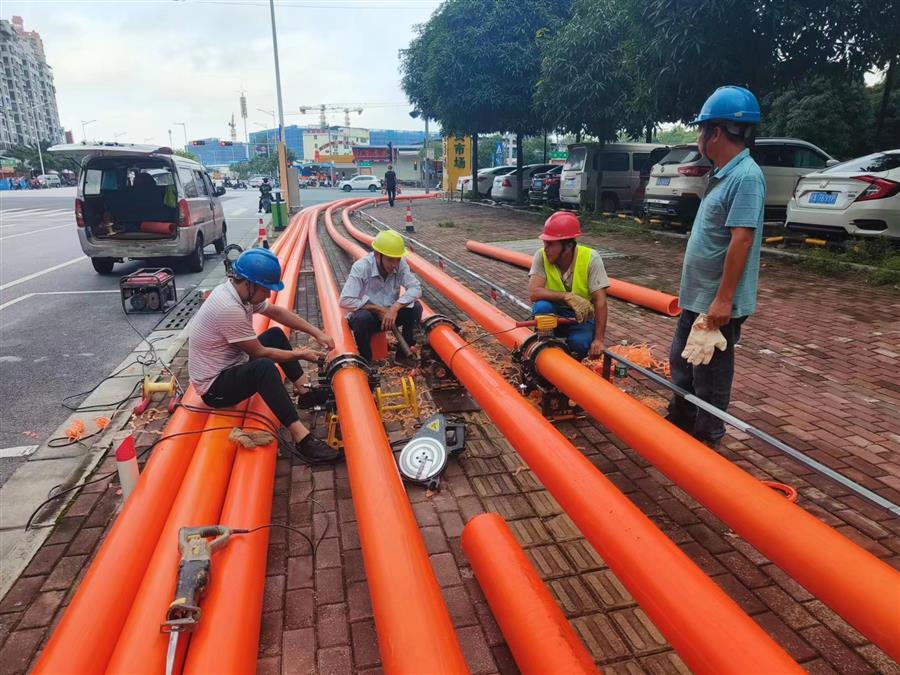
[642, 355]
[102, 422]
[75, 431]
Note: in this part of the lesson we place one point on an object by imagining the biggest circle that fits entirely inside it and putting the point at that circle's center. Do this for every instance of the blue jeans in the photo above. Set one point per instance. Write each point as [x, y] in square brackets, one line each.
[578, 336]
[711, 382]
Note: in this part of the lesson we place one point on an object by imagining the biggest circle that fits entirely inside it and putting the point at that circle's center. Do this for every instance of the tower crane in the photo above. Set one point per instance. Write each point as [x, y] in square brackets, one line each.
[325, 107]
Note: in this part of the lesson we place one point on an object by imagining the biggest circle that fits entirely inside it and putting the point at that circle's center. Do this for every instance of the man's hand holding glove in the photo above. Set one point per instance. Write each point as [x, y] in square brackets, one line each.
[583, 308]
[703, 342]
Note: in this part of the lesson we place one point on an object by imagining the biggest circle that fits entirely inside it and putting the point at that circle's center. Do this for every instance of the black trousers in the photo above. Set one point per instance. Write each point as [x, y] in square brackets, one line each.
[391, 194]
[365, 324]
[711, 382]
[259, 376]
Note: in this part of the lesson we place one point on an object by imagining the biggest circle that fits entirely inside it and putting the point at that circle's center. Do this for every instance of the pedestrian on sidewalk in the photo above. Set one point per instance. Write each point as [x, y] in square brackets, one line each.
[721, 262]
[228, 363]
[390, 184]
[372, 294]
[569, 280]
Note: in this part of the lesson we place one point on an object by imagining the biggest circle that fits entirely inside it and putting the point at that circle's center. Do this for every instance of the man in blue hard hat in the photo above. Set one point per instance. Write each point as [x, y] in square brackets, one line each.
[228, 362]
[721, 263]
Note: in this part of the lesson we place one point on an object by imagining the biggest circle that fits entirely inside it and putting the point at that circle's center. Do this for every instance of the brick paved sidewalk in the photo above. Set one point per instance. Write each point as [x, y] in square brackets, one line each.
[317, 616]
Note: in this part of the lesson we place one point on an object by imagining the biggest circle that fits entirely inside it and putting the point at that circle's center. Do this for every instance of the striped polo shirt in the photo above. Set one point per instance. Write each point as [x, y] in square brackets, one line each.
[222, 321]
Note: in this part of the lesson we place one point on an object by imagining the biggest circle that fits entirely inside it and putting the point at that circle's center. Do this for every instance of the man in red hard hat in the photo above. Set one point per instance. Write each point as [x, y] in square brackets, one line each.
[569, 280]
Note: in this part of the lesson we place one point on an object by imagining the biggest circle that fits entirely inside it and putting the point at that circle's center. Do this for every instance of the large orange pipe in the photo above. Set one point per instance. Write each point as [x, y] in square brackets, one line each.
[684, 603]
[537, 632]
[415, 634]
[228, 637]
[658, 301]
[84, 639]
[813, 553]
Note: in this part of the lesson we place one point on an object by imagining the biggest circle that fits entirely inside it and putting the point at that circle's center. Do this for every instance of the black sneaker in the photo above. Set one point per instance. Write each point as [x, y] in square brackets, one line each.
[312, 397]
[314, 451]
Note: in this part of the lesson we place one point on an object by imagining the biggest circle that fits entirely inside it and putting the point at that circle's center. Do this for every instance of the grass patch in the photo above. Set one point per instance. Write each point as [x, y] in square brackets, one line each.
[882, 255]
[446, 223]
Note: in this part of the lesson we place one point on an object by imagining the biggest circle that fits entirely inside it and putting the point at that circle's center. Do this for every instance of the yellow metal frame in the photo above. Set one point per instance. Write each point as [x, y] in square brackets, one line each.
[332, 438]
[406, 397]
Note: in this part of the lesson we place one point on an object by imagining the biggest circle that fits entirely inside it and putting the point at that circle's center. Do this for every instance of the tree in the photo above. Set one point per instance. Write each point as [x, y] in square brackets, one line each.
[262, 165]
[886, 136]
[187, 154]
[835, 115]
[474, 65]
[676, 135]
[28, 155]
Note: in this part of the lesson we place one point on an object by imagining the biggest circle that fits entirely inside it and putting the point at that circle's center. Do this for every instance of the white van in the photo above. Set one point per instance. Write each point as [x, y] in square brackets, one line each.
[144, 202]
[620, 165]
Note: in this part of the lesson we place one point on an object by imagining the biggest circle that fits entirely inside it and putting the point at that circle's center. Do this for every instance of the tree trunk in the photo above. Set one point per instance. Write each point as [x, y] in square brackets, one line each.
[578, 136]
[648, 134]
[545, 147]
[475, 164]
[885, 99]
[520, 156]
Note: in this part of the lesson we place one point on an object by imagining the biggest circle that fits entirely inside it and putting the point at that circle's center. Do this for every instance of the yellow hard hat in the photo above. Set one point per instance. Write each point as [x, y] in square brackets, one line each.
[389, 243]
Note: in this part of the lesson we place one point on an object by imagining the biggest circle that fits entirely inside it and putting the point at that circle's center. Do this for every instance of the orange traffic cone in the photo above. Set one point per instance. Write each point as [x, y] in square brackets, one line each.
[409, 222]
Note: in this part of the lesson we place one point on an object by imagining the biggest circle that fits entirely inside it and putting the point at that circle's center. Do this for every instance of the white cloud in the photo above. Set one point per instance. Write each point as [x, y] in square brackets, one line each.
[137, 67]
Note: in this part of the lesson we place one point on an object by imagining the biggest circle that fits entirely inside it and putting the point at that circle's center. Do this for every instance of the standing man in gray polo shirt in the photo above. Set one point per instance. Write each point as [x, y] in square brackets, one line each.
[721, 262]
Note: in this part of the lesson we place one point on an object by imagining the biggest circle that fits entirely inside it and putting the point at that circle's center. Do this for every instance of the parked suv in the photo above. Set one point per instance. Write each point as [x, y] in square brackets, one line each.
[369, 183]
[859, 198]
[545, 187]
[678, 182]
[141, 201]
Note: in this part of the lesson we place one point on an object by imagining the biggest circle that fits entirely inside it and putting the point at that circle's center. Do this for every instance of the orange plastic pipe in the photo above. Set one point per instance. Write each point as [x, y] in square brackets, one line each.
[813, 553]
[658, 301]
[686, 605]
[415, 634]
[227, 639]
[84, 639]
[537, 632]
[141, 647]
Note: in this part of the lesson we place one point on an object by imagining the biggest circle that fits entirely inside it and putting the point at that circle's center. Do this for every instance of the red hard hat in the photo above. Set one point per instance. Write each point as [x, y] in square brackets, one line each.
[561, 225]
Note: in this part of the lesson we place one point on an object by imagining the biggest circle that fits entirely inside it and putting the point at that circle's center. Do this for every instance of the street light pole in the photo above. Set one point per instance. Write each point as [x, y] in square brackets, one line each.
[282, 155]
[37, 135]
[170, 138]
[427, 161]
[183, 128]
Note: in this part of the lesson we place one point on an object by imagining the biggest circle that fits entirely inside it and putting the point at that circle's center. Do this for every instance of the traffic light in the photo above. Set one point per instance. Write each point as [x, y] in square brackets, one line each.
[198, 142]
[226, 143]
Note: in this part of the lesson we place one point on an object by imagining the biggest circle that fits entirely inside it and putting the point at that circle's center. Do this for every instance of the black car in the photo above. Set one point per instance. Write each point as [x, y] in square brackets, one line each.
[545, 187]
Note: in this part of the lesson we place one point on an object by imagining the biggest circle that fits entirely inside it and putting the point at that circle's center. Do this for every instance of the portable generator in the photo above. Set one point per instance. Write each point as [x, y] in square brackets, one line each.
[150, 289]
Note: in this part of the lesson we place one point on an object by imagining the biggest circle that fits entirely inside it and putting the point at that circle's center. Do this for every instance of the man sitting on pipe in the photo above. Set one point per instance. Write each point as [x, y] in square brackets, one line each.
[372, 294]
[569, 280]
[228, 362]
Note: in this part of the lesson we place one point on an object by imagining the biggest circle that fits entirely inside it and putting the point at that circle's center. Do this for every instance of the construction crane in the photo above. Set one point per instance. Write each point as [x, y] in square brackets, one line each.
[324, 107]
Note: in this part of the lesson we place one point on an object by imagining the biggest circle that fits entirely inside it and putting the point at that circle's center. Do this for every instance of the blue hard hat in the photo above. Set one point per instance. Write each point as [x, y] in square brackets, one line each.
[730, 104]
[261, 267]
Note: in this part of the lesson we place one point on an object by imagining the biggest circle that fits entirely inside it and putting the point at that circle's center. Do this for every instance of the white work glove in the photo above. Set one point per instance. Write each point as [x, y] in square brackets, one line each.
[703, 342]
[583, 309]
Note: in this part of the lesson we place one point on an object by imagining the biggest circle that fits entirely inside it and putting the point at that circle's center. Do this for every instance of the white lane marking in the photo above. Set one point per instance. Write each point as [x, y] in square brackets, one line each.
[18, 451]
[38, 231]
[22, 280]
[29, 295]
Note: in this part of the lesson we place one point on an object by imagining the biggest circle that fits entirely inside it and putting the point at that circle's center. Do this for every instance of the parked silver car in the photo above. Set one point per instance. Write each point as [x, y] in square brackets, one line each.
[142, 201]
[506, 187]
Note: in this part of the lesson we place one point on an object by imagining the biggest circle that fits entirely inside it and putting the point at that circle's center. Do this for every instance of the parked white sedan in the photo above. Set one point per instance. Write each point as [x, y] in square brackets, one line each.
[506, 187]
[485, 180]
[859, 198]
[369, 183]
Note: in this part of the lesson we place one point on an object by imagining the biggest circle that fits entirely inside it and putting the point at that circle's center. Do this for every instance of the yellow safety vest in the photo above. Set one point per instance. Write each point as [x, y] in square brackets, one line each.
[579, 276]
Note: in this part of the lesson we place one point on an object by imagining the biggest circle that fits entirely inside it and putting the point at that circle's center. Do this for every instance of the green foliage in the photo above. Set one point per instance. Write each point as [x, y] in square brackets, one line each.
[834, 114]
[262, 165]
[446, 223]
[28, 156]
[187, 154]
[890, 134]
[677, 135]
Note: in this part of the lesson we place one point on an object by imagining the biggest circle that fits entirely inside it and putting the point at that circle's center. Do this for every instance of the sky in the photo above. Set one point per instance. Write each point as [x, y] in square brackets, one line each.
[139, 66]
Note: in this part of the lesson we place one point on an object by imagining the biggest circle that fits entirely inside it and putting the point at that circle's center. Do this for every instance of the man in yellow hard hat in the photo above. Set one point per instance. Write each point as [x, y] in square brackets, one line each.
[372, 293]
